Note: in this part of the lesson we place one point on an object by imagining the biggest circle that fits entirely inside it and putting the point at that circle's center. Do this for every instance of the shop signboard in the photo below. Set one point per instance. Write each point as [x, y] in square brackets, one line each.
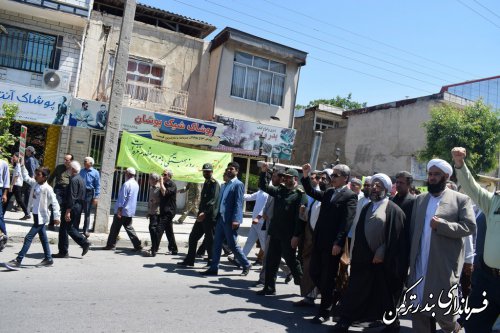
[37, 105]
[243, 137]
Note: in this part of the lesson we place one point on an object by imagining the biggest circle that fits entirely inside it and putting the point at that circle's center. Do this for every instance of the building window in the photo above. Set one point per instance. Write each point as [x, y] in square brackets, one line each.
[258, 79]
[143, 78]
[322, 124]
[29, 50]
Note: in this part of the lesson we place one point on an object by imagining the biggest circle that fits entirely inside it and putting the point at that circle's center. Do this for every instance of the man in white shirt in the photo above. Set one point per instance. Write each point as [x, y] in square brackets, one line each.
[42, 195]
[4, 184]
[256, 232]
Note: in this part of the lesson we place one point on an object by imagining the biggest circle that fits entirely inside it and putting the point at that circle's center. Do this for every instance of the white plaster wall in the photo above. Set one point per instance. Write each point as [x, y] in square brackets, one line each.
[385, 140]
[243, 109]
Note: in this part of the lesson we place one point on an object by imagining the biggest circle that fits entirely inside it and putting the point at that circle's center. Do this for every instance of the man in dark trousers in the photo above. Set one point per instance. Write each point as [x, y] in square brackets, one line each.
[285, 228]
[168, 207]
[72, 206]
[379, 262]
[338, 208]
[31, 164]
[404, 199]
[229, 218]
[205, 220]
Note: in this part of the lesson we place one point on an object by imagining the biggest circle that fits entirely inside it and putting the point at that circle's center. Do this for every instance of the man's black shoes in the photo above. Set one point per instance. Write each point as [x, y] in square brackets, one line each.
[86, 248]
[245, 270]
[60, 255]
[320, 319]
[209, 272]
[266, 292]
[340, 327]
[45, 262]
[185, 263]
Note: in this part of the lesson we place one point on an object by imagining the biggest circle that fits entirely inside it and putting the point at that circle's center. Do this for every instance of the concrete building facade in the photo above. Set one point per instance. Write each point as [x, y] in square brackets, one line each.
[330, 121]
[387, 138]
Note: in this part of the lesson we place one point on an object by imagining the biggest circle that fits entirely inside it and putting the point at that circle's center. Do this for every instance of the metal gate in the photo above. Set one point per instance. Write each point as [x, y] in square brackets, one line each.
[96, 152]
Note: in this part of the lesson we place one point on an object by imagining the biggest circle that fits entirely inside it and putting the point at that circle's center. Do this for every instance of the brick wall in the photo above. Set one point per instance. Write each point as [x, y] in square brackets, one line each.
[71, 35]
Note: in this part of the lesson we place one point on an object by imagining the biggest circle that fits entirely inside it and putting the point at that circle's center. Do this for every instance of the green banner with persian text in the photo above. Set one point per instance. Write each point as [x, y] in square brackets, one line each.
[146, 155]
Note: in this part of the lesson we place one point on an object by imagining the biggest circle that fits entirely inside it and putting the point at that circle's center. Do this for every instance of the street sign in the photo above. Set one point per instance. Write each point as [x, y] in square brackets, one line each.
[22, 140]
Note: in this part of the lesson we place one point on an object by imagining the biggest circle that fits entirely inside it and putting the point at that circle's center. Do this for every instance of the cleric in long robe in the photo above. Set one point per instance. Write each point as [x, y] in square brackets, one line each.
[379, 260]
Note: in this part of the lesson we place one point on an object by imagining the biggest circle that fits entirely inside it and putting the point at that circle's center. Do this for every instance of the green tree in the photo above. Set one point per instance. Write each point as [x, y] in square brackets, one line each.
[7, 139]
[345, 103]
[475, 127]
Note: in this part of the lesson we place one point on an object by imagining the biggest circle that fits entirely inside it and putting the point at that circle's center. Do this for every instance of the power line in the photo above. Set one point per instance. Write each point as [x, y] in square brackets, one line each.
[371, 75]
[271, 32]
[373, 40]
[478, 13]
[340, 46]
[461, 78]
[489, 10]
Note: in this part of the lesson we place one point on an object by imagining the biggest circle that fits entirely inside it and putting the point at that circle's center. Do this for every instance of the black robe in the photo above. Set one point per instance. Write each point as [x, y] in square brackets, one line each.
[375, 288]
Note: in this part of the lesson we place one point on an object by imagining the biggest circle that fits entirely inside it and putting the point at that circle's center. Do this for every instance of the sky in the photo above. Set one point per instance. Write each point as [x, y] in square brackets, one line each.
[378, 50]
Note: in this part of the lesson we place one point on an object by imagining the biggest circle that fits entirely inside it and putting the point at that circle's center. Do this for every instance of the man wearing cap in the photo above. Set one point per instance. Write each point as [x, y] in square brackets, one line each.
[285, 228]
[338, 207]
[205, 219]
[229, 218]
[440, 219]
[308, 290]
[192, 191]
[31, 164]
[486, 275]
[378, 261]
[125, 207]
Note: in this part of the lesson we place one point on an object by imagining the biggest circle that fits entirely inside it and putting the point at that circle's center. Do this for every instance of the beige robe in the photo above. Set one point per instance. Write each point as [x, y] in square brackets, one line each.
[446, 253]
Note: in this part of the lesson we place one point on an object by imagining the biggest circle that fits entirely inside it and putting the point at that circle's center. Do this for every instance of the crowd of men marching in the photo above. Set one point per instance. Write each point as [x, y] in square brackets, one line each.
[368, 255]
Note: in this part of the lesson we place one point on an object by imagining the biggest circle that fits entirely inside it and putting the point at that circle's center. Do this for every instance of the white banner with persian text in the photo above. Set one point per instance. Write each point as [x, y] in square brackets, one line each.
[37, 105]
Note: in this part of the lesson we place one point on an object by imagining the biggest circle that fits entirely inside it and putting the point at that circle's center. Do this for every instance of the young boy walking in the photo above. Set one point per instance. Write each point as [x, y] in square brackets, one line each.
[41, 196]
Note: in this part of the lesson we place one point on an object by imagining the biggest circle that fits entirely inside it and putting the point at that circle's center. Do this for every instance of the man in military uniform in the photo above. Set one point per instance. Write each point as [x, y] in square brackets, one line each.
[205, 219]
[285, 228]
[192, 202]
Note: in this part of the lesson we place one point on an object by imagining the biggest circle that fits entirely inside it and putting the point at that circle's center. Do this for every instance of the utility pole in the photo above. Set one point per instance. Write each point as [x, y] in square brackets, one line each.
[114, 117]
[315, 149]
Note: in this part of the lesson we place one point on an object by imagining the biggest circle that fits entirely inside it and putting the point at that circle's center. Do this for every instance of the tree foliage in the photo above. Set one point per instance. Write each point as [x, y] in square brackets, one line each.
[345, 103]
[475, 127]
[7, 139]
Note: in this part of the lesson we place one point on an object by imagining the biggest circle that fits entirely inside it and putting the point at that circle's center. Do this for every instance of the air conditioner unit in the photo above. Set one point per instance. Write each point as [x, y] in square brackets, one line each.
[55, 80]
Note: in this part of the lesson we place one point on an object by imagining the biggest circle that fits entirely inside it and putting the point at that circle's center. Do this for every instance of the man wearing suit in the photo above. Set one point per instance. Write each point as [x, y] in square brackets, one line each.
[229, 218]
[338, 208]
[440, 221]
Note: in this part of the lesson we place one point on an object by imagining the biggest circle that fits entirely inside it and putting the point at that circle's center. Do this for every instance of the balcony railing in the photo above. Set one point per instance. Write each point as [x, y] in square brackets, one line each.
[154, 98]
[77, 7]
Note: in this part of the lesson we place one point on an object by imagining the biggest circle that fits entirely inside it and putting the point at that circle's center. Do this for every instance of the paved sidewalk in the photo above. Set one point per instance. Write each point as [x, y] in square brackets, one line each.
[17, 229]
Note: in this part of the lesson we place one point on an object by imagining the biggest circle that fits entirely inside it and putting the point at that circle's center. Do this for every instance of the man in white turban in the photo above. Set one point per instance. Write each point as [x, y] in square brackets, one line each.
[378, 262]
[440, 219]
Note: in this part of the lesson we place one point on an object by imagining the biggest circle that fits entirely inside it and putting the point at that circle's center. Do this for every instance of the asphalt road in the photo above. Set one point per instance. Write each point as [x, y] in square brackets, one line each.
[122, 291]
